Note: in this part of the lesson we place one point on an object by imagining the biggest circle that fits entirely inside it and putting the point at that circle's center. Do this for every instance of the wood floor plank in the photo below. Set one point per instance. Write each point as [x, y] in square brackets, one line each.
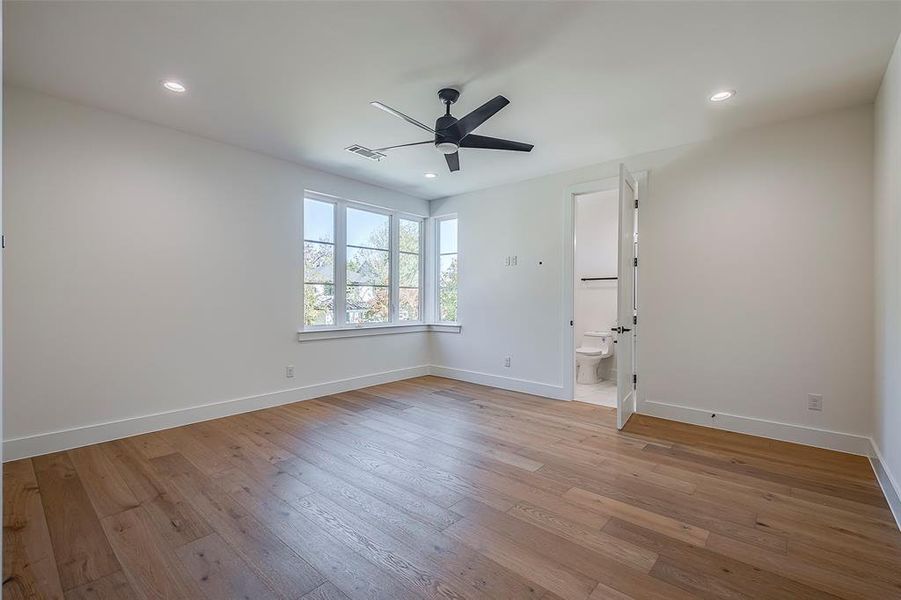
[434, 488]
[175, 518]
[284, 570]
[152, 445]
[412, 500]
[111, 587]
[146, 557]
[711, 574]
[351, 573]
[484, 575]
[83, 553]
[29, 566]
[326, 591]
[207, 460]
[597, 566]
[836, 583]
[419, 574]
[592, 538]
[221, 573]
[661, 523]
[558, 578]
[108, 491]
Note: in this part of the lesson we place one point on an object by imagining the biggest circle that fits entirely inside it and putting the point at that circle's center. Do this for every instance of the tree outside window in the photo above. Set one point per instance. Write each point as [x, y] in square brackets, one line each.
[447, 270]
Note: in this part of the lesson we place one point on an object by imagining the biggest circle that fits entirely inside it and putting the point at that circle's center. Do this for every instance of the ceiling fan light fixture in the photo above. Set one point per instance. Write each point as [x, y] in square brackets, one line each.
[447, 147]
[174, 86]
[722, 96]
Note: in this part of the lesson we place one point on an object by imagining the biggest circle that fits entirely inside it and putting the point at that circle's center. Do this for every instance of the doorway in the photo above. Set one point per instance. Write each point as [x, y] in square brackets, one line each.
[595, 298]
[600, 293]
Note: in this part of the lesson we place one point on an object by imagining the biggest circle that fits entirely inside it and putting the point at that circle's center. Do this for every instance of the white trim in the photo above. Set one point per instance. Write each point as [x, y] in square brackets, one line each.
[786, 432]
[54, 441]
[437, 264]
[331, 333]
[890, 488]
[554, 392]
[421, 254]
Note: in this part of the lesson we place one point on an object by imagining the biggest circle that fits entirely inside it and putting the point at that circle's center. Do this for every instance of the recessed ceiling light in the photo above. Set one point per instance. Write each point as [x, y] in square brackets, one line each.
[430, 175]
[721, 96]
[174, 86]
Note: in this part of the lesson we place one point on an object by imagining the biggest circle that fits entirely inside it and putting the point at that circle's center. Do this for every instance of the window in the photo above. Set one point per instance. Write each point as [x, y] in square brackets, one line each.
[362, 265]
[410, 270]
[447, 269]
[368, 267]
[318, 263]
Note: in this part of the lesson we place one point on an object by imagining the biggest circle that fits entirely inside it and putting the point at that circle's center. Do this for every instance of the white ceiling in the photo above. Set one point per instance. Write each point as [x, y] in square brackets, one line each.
[588, 82]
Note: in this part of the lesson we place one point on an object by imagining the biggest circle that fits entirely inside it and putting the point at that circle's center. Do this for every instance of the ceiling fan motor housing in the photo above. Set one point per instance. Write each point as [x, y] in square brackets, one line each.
[446, 138]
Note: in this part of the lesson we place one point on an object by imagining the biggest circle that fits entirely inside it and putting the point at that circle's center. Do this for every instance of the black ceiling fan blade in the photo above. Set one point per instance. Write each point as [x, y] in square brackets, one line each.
[403, 145]
[491, 143]
[467, 124]
[453, 161]
[400, 115]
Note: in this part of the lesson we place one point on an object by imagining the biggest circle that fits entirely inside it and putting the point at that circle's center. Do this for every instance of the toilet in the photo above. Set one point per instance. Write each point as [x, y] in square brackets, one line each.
[595, 347]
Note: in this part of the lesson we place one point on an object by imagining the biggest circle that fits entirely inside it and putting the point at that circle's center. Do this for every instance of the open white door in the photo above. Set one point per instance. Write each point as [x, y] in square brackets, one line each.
[626, 379]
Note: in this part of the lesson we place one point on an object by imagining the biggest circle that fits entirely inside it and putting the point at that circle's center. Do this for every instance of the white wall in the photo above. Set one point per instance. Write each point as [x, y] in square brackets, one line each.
[149, 271]
[755, 281]
[596, 255]
[888, 270]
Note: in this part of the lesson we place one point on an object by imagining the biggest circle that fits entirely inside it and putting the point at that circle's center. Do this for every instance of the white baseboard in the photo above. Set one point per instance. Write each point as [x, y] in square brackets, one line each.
[55, 441]
[800, 434]
[66, 439]
[506, 383]
[890, 488]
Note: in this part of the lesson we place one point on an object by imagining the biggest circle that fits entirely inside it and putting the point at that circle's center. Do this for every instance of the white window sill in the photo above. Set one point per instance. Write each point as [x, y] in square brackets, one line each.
[312, 335]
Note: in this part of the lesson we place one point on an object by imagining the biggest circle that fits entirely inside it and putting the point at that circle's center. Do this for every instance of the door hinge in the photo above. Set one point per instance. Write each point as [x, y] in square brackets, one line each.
[570, 323]
[2, 241]
[635, 319]
[634, 379]
[636, 261]
[636, 203]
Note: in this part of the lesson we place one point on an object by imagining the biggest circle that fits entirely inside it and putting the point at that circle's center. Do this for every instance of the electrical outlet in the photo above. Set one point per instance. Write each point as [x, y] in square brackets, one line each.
[507, 361]
[289, 371]
[814, 402]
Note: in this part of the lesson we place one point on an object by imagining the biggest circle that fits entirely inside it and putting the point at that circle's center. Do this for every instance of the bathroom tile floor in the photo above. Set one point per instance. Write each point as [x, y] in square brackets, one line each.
[602, 393]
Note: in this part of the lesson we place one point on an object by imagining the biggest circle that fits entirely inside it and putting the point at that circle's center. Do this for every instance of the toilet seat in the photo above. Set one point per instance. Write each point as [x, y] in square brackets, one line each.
[589, 351]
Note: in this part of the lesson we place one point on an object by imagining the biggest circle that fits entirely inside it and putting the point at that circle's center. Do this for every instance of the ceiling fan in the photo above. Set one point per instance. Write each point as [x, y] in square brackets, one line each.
[451, 134]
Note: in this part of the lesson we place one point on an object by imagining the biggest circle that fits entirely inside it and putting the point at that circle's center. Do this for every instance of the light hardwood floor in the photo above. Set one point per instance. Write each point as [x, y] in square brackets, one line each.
[432, 488]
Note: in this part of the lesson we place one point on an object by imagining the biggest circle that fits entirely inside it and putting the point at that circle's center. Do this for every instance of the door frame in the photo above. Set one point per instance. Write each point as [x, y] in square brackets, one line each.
[569, 272]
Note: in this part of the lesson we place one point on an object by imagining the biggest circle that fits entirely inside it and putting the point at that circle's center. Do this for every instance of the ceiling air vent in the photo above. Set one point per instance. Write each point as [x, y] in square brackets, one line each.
[365, 152]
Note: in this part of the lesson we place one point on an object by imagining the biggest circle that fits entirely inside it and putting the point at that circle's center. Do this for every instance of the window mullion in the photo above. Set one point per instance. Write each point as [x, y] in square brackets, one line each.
[430, 252]
[394, 270]
[421, 259]
[340, 264]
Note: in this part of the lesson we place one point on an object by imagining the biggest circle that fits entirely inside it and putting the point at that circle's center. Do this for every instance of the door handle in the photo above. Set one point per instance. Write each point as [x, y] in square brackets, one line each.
[620, 329]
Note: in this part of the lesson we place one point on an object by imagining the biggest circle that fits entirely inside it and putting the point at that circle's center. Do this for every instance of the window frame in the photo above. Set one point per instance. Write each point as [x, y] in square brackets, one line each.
[436, 266]
[340, 277]
[303, 273]
[423, 251]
